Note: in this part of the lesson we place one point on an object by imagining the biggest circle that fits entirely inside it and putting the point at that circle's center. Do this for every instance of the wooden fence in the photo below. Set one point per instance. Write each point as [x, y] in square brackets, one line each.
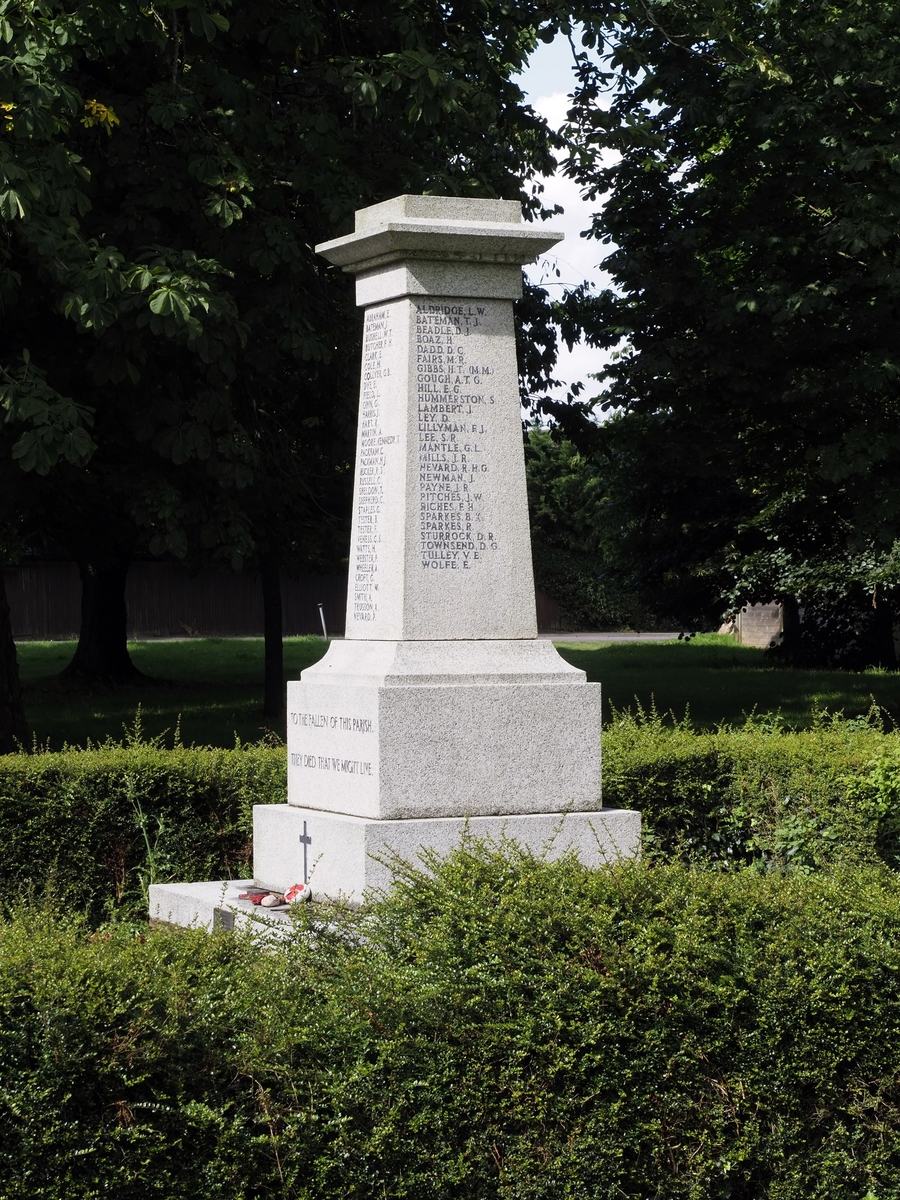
[165, 600]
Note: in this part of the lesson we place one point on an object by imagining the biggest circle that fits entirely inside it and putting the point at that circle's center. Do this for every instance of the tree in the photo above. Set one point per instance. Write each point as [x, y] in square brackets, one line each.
[13, 728]
[567, 500]
[752, 210]
[118, 331]
[166, 171]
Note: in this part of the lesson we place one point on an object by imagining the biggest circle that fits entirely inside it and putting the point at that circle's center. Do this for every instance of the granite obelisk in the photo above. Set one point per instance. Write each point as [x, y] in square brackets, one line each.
[440, 705]
[441, 709]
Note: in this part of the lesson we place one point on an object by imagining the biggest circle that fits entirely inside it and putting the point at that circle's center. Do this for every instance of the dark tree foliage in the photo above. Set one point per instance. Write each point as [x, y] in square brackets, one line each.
[13, 729]
[567, 500]
[178, 368]
[751, 202]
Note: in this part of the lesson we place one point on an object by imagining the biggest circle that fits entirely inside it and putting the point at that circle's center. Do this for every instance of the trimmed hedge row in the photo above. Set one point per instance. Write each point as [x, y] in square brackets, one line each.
[757, 794]
[508, 1030]
[91, 828]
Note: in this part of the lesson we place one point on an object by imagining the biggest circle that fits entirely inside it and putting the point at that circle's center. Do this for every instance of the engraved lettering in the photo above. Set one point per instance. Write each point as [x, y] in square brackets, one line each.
[452, 446]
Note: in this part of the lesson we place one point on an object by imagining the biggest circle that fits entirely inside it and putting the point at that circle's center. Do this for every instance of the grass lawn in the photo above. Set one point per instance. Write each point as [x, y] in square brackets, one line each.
[716, 680]
[214, 686]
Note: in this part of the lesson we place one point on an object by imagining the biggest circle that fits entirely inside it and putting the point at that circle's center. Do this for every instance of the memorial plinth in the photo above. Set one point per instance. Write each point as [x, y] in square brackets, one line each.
[440, 708]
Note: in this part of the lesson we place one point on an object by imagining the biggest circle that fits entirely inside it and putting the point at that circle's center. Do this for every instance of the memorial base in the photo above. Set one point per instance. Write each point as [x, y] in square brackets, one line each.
[344, 856]
[347, 857]
[213, 904]
[402, 730]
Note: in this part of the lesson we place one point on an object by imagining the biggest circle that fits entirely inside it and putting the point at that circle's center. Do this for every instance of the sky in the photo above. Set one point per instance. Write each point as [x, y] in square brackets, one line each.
[547, 80]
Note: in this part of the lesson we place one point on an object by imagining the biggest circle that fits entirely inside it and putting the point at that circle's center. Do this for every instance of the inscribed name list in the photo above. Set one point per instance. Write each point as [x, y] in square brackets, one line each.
[454, 399]
[379, 462]
[440, 481]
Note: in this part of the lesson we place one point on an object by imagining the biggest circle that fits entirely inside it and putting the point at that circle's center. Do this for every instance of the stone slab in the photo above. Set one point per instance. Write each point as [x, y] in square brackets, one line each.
[759, 625]
[424, 277]
[403, 664]
[401, 730]
[212, 904]
[438, 208]
[347, 857]
[439, 245]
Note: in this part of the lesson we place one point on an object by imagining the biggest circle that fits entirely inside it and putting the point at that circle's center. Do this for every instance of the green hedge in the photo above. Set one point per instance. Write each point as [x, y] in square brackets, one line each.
[758, 794]
[508, 1030]
[92, 828]
[588, 598]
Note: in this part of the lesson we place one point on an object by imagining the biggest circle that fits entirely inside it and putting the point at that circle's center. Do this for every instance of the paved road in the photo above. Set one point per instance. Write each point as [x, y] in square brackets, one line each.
[608, 637]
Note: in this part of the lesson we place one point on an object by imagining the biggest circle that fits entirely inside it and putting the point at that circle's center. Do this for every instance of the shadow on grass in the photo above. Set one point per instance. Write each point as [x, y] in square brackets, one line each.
[719, 682]
[210, 688]
[215, 687]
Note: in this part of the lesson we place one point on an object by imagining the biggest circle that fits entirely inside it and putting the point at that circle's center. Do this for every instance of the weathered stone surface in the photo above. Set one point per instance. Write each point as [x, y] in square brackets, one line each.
[441, 710]
[440, 702]
[210, 905]
[349, 856]
[759, 625]
[440, 545]
[429, 729]
[439, 246]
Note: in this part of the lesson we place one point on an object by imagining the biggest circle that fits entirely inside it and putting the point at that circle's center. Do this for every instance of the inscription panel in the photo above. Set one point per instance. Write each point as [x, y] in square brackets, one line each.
[454, 398]
[440, 547]
[380, 463]
[468, 557]
[332, 743]
[376, 370]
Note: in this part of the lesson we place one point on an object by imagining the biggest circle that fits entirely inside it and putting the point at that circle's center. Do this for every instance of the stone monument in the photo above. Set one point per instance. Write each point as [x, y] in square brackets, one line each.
[759, 625]
[440, 709]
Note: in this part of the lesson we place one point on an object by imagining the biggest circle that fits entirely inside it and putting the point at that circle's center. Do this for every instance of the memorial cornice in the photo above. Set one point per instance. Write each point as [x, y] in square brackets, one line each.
[438, 241]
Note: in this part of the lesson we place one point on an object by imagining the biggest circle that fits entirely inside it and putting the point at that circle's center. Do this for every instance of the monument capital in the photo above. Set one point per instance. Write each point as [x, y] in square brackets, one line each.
[439, 245]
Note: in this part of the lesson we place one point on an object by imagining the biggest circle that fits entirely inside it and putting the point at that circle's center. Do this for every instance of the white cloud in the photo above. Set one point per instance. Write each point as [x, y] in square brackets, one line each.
[577, 259]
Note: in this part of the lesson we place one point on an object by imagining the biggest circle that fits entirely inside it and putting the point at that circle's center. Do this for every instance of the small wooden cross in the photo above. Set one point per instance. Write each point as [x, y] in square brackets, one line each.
[305, 840]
